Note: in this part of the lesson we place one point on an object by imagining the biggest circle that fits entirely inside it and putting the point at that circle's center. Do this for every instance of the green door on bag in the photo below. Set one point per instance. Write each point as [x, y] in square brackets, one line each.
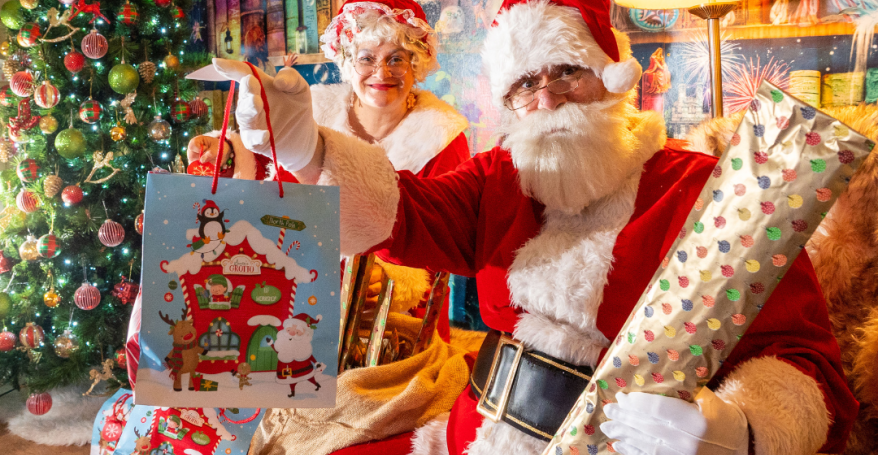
[260, 355]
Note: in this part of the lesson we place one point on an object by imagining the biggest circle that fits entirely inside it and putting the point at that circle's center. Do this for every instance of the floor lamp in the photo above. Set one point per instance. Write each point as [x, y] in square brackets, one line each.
[712, 11]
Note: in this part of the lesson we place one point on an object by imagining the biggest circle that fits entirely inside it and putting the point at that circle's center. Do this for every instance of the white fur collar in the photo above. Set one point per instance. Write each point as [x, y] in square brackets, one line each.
[427, 129]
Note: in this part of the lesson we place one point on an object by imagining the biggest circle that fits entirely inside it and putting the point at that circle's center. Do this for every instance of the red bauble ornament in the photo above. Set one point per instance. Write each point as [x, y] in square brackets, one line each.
[28, 170]
[198, 106]
[125, 291]
[121, 357]
[177, 13]
[94, 45]
[26, 201]
[111, 233]
[90, 111]
[31, 336]
[22, 83]
[5, 263]
[163, 3]
[74, 61]
[7, 97]
[112, 430]
[138, 225]
[128, 14]
[46, 95]
[87, 297]
[29, 34]
[7, 341]
[180, 111]
[72, 195]
[39, 403]
[169, 297]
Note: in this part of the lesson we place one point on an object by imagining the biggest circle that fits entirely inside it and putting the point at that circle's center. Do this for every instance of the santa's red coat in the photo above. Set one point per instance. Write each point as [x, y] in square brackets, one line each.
[295, 371]
[472, 221]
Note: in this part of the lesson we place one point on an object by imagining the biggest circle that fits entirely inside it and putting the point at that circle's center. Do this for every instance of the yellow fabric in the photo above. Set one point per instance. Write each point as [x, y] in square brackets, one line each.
[409, 285]
[372, 403]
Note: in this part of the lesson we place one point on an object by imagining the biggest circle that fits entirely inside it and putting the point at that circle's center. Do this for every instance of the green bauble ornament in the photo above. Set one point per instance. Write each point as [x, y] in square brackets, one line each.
[5, 304]
[70, 143]
[123, 78]
[10, 14]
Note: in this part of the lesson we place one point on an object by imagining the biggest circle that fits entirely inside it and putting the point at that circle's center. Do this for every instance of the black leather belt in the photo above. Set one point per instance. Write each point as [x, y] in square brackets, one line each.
[530, 390]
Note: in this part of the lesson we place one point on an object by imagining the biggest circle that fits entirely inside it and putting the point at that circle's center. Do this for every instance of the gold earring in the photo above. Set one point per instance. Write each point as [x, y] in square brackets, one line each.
[353, 98]
[410, 101]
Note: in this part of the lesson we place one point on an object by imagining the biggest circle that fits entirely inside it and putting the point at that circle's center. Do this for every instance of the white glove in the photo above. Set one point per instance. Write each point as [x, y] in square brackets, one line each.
[289, 100]
[645, 423]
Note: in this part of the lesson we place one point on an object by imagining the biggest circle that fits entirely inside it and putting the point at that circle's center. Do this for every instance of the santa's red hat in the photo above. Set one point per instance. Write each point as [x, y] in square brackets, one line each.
[209, 204]
[302, 320]
[529, 35]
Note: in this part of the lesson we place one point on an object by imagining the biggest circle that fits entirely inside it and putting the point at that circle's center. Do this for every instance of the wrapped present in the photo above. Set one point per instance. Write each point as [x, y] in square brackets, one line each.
[842, 89]
[872, 85]
[207, 385]
[786, 165]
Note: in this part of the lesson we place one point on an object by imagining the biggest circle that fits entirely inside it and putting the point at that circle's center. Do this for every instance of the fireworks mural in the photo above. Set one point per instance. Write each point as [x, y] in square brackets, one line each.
[744, 79]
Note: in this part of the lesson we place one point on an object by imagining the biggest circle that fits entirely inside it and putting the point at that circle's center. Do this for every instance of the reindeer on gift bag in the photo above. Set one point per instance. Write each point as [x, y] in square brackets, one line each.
[183, 358]
[141, 444]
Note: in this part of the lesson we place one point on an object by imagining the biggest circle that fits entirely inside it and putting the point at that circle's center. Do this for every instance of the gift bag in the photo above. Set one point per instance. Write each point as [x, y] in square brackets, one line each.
[110, 422]
[192, 431]
[239, 294]
[786, 165]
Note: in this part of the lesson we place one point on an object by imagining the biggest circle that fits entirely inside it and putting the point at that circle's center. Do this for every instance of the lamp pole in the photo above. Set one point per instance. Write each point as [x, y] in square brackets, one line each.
[712, 13]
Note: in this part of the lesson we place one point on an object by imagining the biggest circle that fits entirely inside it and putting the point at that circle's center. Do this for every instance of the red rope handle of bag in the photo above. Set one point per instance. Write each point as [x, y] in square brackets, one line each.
[219, 153]
[239, 422]
[280, 185]
[117, 406]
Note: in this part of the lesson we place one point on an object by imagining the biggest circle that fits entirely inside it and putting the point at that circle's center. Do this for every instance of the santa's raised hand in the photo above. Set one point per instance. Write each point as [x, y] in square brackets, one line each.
[289, 102]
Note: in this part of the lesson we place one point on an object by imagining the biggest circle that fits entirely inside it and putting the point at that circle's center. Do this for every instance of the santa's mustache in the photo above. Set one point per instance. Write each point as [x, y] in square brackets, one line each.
[569, 117]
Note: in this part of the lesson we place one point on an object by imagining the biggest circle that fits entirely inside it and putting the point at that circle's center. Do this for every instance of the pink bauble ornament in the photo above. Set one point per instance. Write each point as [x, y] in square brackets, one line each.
[111, 233]
[74, 61]
[198, 107]
[67, 2]
[46, 95]
[72, 195]
[94, 45]
[7, 341]
[26, 201]
[22, 83]
[87, 297]
[39, 403]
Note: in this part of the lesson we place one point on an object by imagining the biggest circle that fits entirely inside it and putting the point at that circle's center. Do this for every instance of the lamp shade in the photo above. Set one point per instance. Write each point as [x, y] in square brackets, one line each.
[667, 4]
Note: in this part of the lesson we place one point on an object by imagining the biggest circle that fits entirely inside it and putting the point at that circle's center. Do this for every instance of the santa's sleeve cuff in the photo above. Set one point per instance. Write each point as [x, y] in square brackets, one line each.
[245, 160]
[367, 187]
[784, 407]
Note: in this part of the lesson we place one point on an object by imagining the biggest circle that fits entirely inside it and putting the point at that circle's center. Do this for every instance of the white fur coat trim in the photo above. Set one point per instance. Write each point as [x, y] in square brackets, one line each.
[534, 35]
[784, 407]
[245, 162]
[431, 439]
[421, 135]
[368, 190]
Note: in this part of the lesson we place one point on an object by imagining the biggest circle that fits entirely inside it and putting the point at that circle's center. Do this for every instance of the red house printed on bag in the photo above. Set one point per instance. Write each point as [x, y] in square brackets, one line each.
[237, 290]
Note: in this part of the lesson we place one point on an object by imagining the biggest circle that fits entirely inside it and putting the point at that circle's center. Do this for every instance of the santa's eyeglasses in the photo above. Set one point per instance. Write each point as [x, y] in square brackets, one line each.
[367, 66]
[568, 82]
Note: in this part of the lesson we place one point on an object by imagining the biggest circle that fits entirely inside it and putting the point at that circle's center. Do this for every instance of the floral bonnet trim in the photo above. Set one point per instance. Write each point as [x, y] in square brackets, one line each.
[346, 23]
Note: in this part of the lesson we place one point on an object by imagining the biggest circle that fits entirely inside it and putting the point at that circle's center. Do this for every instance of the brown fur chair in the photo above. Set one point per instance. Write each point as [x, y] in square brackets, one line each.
[844, 250]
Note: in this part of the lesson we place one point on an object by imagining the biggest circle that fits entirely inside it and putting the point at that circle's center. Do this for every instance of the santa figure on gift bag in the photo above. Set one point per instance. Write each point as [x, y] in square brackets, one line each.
[295, 359]
[563, 225]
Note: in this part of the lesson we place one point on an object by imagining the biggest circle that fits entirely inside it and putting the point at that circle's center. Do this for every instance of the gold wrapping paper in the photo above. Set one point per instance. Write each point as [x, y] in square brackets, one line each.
[786, 165]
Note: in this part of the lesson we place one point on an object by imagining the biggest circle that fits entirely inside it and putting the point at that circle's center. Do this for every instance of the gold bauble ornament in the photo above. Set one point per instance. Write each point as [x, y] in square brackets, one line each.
[29, 4]
[66, 344]
[29, 250]
[4, 49]
[51, 299]
[52, 185]
[118, 133]
[48, 124]
[171, 61]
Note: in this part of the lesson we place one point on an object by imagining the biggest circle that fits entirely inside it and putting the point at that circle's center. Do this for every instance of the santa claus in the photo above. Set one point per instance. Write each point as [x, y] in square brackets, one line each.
[295, 359]
[563, 225]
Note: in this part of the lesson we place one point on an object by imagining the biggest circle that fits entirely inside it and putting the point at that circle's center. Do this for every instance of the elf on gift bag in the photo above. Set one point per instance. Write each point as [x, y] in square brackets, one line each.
[786, 165]
[192, 431]
[240, 294]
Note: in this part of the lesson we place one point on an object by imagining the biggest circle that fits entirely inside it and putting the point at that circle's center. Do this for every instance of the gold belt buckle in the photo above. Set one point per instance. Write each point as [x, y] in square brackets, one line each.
[482, 408]
[287, 371]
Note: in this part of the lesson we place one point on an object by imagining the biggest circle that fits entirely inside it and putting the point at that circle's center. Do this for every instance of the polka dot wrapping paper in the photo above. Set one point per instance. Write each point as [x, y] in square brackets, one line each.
[784, 168]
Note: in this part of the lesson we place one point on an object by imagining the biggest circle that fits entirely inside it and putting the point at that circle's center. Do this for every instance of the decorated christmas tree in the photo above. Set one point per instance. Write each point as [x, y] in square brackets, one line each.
[96, 99]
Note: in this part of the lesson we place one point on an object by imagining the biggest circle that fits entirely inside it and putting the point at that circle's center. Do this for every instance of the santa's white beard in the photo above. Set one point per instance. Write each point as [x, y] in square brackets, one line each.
[574, 155]
[290, 348]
